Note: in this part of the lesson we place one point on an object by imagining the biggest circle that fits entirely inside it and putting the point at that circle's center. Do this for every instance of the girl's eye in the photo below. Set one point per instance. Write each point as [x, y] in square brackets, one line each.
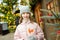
[25, 13]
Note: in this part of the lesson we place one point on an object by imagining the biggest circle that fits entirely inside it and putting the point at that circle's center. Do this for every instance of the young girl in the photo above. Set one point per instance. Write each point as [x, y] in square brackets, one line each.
[28, 29]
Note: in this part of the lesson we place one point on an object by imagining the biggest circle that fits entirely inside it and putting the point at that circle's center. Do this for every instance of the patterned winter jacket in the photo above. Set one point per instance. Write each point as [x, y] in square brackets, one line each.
[28, 31]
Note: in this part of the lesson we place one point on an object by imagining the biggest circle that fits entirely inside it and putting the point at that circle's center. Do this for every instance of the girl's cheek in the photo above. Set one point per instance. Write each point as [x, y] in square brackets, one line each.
[26, 16]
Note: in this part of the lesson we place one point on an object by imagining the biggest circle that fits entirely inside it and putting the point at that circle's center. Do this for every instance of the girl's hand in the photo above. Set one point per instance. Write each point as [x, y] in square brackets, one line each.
[31, 38]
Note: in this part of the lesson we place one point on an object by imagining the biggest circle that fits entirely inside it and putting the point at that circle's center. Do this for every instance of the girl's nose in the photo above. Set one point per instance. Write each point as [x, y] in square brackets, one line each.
[25, 14]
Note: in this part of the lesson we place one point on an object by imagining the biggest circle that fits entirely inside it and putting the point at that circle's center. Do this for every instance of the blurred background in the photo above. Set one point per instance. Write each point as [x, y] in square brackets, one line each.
[45, 12]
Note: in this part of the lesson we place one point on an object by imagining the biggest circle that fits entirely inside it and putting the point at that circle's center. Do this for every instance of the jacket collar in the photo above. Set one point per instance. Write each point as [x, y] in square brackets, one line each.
[26, 22]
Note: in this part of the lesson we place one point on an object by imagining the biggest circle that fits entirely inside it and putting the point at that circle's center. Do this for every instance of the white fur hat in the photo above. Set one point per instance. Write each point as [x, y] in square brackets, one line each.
[24, 9]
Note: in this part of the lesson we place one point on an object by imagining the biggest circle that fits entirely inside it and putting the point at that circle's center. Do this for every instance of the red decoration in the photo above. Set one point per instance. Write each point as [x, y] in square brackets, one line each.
[41, 14]
[41, 20]
[30, 30]
[49, 14]
[58, 32]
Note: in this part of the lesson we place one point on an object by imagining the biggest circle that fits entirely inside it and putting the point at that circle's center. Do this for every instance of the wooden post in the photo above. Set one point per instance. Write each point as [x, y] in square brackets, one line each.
[37, 12]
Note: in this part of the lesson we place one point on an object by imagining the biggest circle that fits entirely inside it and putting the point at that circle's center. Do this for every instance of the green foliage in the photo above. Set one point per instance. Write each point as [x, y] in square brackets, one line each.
[23, 2]
[10, 2]
[32, 4]
[6, 8]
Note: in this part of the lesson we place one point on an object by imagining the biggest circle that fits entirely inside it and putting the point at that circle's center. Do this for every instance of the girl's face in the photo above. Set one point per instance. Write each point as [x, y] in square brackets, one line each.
[25, 15]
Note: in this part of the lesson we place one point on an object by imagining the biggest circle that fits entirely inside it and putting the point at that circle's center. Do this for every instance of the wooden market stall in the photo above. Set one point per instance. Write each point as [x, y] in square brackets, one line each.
[47, 21]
